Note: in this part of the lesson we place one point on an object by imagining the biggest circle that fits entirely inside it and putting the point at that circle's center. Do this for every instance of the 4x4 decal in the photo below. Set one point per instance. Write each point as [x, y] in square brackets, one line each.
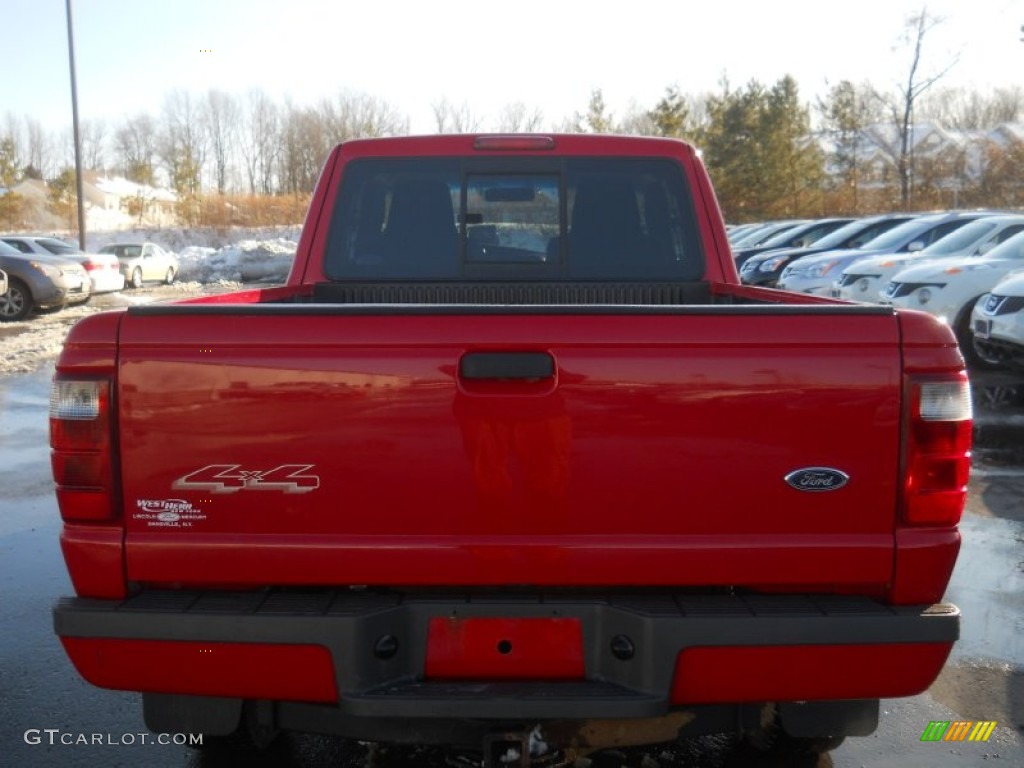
[231, 478]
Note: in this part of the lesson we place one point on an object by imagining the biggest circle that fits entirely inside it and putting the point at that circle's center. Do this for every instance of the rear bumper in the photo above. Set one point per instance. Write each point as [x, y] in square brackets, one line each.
[58, 293]
[106, 281]
[1001, 352]
[389, 655]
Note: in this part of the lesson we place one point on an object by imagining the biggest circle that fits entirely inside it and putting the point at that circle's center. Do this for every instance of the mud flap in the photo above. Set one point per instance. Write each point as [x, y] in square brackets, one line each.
[176, 713]
[829, 718]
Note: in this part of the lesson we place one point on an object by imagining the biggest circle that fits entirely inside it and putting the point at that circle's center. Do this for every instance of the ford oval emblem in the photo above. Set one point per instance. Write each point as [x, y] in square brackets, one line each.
[817, 479]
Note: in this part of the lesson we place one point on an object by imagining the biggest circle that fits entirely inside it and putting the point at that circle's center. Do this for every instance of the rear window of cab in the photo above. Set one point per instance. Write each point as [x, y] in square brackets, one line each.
[451, 218]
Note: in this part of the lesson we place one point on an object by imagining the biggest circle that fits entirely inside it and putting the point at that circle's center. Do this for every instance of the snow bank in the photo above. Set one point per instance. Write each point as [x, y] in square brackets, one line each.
[181, 239]
[250, 261]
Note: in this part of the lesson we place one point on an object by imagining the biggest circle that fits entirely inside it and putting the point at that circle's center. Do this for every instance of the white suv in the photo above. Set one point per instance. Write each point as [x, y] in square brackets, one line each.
[997, 324]
[949, 288]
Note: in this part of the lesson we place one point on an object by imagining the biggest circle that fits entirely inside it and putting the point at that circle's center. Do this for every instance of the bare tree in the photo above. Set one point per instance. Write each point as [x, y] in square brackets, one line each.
[39, 149]
[357, 115]
[182, 143]
[449, 118]
[305, 143]
[261, 146]
[221, 115]
[135, 149]
[917, 28]
[965, 110]
[518, 118]
[637, 121]
[93, 135]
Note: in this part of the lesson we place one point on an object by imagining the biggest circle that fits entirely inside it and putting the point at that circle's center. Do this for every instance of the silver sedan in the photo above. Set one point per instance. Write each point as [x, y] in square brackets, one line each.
[141, 262]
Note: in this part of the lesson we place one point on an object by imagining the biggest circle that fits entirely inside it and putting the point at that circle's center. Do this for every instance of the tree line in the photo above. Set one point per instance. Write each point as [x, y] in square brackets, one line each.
[770, 154]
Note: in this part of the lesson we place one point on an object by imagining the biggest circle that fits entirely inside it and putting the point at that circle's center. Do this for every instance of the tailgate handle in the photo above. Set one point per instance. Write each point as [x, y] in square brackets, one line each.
[506, 365]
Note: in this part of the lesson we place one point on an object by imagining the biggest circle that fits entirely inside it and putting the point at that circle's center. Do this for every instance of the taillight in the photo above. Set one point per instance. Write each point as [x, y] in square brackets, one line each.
[514, 143]
[938, 457]
[80, 439]
[91, 265]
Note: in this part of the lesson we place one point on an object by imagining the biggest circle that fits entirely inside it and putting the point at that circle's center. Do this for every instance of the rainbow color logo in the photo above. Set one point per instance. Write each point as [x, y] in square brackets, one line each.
[958, 730]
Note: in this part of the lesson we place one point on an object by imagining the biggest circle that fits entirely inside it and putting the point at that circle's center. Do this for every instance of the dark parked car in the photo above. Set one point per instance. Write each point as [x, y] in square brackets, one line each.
[765, 268]
[800, 236]
[761, 233]
[39, 282]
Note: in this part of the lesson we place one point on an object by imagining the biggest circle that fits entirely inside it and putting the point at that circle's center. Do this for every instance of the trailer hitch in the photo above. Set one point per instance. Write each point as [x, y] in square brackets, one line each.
[517, 749]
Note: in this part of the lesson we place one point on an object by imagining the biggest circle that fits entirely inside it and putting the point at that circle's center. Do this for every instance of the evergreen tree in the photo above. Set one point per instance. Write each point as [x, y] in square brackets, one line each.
[671, 114]
[11, 203]
[61, 193]
[798, 164]
[846, 113]
[597, 118]
[757, 151]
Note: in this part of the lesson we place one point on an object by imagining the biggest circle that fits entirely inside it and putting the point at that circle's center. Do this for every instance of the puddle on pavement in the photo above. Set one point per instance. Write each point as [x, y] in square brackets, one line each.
[988, 586]
[24, 446]
[998, 418]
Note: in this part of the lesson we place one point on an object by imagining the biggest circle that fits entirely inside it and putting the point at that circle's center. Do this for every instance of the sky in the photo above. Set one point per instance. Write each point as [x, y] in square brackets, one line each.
[548, 54]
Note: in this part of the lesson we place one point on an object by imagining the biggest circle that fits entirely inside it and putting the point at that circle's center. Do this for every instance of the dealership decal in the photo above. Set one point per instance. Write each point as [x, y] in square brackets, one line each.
[231, 478]
[167, 513]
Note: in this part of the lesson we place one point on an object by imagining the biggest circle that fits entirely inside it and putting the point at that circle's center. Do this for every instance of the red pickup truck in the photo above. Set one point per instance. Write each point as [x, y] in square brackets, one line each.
[511, 460]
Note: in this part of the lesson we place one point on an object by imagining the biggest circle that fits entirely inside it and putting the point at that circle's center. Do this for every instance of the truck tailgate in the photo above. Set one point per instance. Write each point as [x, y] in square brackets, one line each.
[411, 446]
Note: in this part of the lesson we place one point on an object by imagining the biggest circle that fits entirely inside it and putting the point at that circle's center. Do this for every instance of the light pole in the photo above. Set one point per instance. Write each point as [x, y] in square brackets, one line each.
[74, 129]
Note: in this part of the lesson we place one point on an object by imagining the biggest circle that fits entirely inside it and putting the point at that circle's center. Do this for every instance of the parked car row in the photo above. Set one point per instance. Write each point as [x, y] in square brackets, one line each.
[104, 270]
[39, 282]
[45, 273]
[964, 267]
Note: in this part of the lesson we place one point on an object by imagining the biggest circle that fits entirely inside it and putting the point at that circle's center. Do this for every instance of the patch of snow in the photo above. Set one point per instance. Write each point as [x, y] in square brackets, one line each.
[177, 240]
[210, 261]
[29, 343]
[122, 187]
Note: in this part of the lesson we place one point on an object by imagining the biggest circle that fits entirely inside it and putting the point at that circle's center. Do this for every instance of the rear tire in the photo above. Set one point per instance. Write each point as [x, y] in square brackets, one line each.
[17, 303]
[965, 338]
[136, 278]
[169, 277]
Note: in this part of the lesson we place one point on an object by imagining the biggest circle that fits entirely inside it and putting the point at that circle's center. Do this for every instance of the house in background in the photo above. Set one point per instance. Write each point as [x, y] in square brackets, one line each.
[110, 204]
[142, 204]
[943, 160]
